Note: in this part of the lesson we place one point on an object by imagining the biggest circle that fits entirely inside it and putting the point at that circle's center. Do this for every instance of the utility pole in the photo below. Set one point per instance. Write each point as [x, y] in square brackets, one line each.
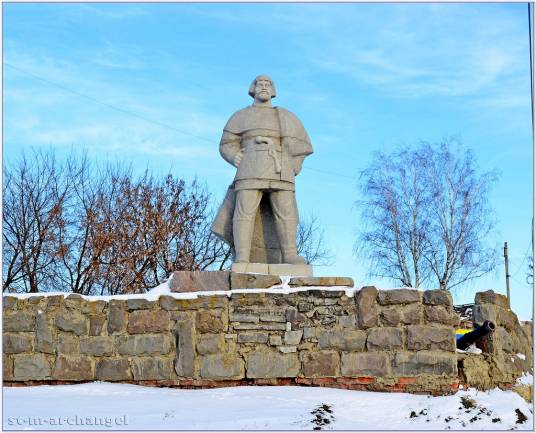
[507, 274]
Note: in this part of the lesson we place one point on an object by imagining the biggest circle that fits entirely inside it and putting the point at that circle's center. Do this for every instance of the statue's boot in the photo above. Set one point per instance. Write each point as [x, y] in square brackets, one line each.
[242, 234]
[286, 231]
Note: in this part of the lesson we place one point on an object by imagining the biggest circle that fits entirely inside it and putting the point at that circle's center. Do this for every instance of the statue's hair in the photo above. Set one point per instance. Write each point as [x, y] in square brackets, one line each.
[251, 91]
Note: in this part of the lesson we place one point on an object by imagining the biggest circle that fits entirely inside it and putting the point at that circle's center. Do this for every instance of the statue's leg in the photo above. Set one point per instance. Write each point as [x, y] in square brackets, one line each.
[286, 220]
[247, 202]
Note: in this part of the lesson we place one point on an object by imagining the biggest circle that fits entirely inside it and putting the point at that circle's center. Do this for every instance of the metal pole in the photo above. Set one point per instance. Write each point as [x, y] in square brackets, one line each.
[507, 274]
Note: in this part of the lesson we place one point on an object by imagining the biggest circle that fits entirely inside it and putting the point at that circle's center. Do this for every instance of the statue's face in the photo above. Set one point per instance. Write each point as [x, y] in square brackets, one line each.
[263, 90]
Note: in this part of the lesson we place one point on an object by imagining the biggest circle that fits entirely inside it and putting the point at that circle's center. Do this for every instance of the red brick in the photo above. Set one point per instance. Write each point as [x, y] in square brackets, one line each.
[365, 380]
[284, 381]
[323, 380]
[303, 381]
[398, 387]
[406, 380]
[265, 381]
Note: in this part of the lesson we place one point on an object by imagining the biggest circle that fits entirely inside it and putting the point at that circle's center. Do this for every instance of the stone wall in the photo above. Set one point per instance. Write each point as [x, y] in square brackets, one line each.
[399, 340]
[506, 353]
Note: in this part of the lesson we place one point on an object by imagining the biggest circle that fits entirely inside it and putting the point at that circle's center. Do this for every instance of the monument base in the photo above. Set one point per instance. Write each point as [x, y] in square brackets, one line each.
[273, 269]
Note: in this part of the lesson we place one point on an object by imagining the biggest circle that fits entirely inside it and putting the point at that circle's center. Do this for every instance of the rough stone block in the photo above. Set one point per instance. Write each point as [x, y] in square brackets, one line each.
[146, 322]
[117, 317]
[7, 367]
[68, 343]
[364, 364]
[17, 343]
[274, 317]
[287, 349]
[304, 307]
[209, 343]
[93, 307]
[504, 339]
[490, 297]
[222, 366]
[73, 368]
[385, 338]
[398, 296]
[243, 317]
[321, 364]
[347, 321]
[266, 363]
[31, 367]
[253, 281]
[409, 314]
[198, 281]
[97, 346]
[149, 344]
[507, 319]
[484, 312]
[185, 354]
[276, 340]
[293, 338]
[55, 300]
[414, 363]
[96, 323]
[437, 297]
[261, 326]
[18, 321]
[439, 314]
[293, 316]
[321, 281]
[210, 321]
[367, 307]
[72, 321]
[286, 269]
[347, 339]
[152, 368]
[309, 332]
[253, 337]
[9, 302]
[431, 338]
[113, 369]
[140, 304]
[44, 338]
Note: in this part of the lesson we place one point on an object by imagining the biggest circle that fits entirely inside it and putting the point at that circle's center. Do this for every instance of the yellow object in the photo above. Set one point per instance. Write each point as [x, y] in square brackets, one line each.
[463, 331]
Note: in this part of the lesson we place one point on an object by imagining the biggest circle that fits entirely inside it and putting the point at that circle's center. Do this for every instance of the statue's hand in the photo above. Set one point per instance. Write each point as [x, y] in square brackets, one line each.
[238, 159]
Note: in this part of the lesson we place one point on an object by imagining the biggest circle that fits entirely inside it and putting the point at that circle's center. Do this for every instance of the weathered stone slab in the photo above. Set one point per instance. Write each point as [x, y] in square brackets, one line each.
[275, 340]
[346, 339]
[287, 349]
[31, 367]
[243, 317]
[253, 337]
[409, 314]
[208, 344]
[199, 281]
[222, 366]
[385, 338]
[437, 297]
[490, 297]
[68, 343]
[439, 314]
[210, 321]
[72, 321]
[73, 368]
[7, 367]
[431, 338]
[18, 321]
[96, 346]
[293, 338]
[266, 363]
[17, 343]
[485, 312]
[414, 363]
[273, 269]
[253, 281]
[507, 319]
[364, 364]
[151, 368]
[146, 322]
[185, 353]
[140, 304]
[44, 339]
[113, 369]
[96, 324]
[9, 302]
[321, 281]
[367, 307]
[117, 317]
[170, 303]
[321, 364]
[92, 307]
[398, 296]
[149, 344]
[261, 326]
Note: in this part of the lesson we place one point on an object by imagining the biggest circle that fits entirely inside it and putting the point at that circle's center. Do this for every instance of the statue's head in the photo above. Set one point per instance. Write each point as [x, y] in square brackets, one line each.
[262, 88]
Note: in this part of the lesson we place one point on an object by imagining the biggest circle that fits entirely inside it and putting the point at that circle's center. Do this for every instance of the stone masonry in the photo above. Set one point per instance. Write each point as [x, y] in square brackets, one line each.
[398, 340]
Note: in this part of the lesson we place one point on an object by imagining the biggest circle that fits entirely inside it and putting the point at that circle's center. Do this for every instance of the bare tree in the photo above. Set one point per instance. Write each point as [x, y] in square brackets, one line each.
[34, 195]
[426, 216]
[311, 244]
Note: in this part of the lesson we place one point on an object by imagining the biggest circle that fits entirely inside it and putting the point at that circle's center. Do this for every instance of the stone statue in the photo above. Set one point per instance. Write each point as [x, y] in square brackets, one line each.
[259, 216]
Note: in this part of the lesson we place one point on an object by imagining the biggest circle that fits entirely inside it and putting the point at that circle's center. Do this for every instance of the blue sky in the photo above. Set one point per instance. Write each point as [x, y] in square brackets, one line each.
[361, 77]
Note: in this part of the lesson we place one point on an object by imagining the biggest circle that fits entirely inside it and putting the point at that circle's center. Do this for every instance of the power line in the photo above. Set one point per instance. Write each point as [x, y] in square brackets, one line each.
[139, 116]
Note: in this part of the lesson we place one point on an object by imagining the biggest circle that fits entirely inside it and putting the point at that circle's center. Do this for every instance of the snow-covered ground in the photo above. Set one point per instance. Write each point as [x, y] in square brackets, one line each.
[101, 406]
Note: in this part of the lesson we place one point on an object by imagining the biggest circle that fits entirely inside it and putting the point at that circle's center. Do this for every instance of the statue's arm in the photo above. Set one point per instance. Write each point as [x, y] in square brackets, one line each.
[230, 147]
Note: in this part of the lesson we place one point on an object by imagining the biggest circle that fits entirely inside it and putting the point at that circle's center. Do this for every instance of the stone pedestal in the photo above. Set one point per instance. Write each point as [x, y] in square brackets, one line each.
[273, 269]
